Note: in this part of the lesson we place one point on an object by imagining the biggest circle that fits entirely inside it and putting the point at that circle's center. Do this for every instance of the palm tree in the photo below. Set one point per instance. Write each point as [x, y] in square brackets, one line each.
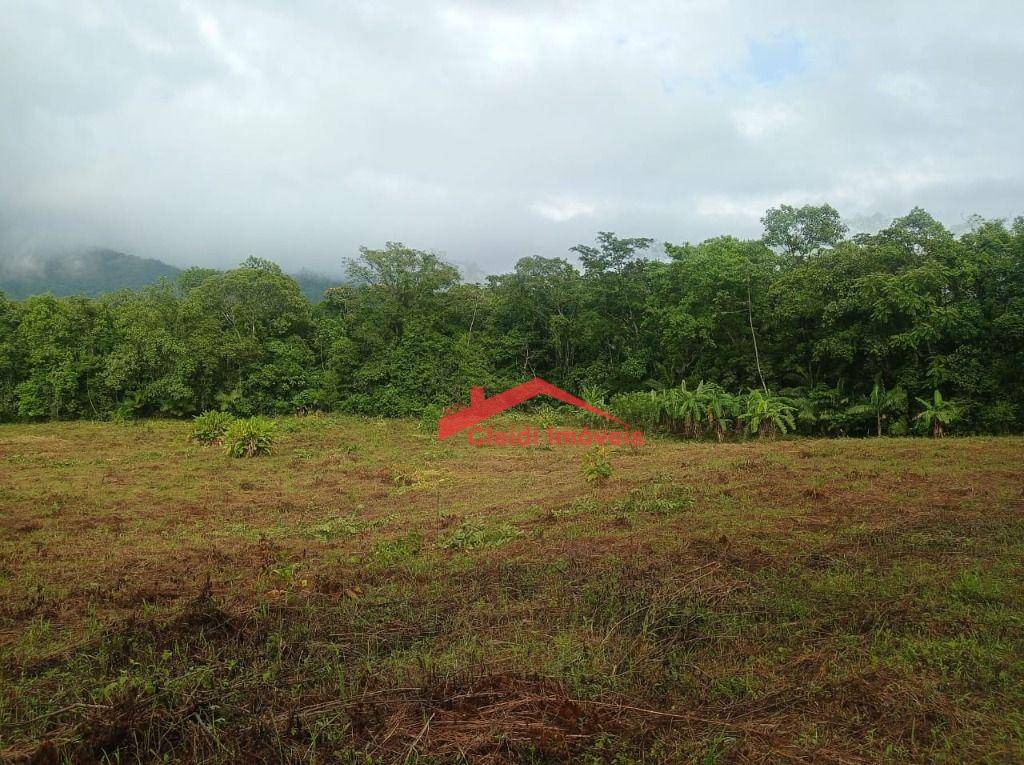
[938, 413]
[768, 415]
[880, 404]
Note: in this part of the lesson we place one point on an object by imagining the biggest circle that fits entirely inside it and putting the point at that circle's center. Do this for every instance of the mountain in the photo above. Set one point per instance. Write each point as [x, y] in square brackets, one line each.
[98, 271]
[92, 272]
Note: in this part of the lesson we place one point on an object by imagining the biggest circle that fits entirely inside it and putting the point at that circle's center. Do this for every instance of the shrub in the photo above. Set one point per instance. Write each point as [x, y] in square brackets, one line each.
[210, 427]
[392, 552]
[898, 429]
[639, 410]
[250, 437]
[546, 416]
[429, 419]
[998, 417]
[596, 467]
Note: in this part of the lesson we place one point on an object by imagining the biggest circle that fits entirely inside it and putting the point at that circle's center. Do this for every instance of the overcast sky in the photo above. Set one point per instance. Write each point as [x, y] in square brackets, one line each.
[202, 132]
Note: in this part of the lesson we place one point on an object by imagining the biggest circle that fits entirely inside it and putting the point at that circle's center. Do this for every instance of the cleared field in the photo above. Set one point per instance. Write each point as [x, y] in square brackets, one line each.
[366, 594]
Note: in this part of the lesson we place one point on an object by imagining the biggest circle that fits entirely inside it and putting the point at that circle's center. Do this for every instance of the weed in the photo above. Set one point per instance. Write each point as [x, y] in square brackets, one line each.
[429, 419]
[391, 552]
[595, 465]
[471, 535]
[976, 586]
[339, 527]
[655, 498]
[211, 427]
[250, 438]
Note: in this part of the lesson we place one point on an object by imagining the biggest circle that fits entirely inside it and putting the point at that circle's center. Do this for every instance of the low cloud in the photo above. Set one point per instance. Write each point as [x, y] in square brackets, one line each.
[560, 210]
[203, 132]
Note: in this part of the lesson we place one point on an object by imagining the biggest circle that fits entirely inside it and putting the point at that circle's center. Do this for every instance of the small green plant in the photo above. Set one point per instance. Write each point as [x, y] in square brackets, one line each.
[655, 498]
[210, 427]
[250, 437]
[596, 467]
[975, 586]
[390, 552]
[595, 396]
[471, 535]
[546, 416]
[337, 527]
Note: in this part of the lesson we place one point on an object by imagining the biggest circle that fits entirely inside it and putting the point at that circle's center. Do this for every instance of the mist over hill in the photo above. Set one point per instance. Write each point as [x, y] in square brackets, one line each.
[98, 271]
[90, 272]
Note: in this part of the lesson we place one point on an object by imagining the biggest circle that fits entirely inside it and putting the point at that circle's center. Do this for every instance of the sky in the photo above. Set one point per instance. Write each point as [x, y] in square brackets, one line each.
[298, 130]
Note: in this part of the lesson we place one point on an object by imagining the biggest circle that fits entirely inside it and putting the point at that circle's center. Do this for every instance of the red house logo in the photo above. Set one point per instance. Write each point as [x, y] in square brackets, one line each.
[480, 407]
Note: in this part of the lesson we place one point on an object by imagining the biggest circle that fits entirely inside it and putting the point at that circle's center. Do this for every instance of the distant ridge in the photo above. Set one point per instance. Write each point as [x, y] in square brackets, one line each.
[100, 271]
[91, 273]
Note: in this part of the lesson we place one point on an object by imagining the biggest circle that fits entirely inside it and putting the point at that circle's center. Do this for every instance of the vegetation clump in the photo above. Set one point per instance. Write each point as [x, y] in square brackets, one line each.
[250, 437]
[596, 466]
[767, 415]
[471, 535]
[211, 427]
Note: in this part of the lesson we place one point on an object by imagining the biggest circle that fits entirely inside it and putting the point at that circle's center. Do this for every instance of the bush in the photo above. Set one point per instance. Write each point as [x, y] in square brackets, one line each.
[998, 417]
[429, 419]
[250, 437]
[596, 467]
[639, 410]
[898, 429]
[210, 427]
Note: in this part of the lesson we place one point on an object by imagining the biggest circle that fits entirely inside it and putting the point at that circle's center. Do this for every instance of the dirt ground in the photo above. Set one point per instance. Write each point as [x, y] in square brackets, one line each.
[367, 595]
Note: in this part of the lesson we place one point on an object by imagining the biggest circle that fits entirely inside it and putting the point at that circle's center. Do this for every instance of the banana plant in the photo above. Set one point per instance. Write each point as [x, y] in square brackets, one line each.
[682, 408]
[766, 415]
[938, 413]
[718, 407]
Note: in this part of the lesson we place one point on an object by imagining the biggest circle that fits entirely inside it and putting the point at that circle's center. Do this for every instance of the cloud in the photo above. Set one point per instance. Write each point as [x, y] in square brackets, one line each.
[208, 130]
[209, 30]
[562, 209]
[758, 121]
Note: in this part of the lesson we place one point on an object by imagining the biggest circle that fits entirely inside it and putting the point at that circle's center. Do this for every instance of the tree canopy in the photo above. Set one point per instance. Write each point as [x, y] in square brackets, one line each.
[857, 331]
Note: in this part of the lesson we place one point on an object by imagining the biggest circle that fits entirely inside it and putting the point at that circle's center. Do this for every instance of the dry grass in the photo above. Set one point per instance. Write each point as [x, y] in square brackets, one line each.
[367, 595]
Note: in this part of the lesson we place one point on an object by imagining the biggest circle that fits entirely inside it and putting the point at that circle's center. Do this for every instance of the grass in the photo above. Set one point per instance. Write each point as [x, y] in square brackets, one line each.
[367, 595]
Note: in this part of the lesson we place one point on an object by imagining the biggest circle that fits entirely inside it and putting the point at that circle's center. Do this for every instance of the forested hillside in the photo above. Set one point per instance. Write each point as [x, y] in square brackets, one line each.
[98, 272]
[92, 272]
[877, 333]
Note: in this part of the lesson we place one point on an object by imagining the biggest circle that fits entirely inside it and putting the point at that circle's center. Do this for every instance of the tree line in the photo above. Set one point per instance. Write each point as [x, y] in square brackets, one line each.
[836, 334]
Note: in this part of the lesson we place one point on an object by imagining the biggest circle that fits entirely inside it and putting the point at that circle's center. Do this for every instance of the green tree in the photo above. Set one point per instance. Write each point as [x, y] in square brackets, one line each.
[880, 404]
[803, 230]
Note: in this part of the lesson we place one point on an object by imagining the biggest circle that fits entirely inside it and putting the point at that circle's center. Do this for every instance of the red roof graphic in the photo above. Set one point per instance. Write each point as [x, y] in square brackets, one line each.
[480, 407]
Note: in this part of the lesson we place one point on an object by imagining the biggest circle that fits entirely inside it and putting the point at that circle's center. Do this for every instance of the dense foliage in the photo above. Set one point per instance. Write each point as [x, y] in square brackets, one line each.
[838, 335]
